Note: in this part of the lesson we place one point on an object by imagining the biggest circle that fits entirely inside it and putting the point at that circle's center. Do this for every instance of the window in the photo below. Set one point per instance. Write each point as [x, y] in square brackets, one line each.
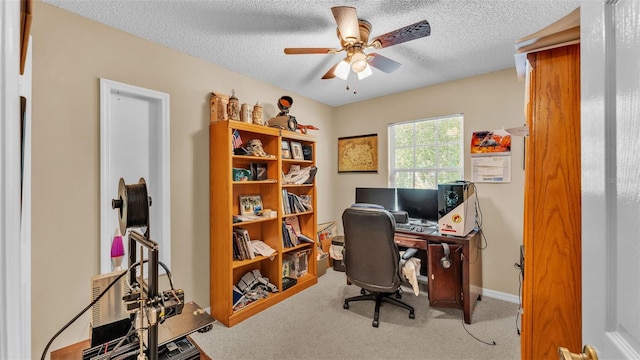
[427, 152]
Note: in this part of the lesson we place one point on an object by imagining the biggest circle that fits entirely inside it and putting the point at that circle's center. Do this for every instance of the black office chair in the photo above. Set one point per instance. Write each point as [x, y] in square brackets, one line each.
[371, 257]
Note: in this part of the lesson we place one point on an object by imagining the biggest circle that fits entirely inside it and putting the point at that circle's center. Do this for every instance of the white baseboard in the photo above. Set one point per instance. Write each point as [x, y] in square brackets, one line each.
[501, 296]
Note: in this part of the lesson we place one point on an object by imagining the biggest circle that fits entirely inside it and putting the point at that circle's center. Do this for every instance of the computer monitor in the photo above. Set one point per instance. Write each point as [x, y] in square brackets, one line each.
[421, 204]
[381, 196]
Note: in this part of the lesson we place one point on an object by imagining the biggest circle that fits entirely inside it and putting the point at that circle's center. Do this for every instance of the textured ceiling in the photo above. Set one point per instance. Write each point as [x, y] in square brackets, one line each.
[468, 37]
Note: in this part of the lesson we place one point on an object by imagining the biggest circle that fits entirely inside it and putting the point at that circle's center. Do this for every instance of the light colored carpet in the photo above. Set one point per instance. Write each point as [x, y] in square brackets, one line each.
[313, 325]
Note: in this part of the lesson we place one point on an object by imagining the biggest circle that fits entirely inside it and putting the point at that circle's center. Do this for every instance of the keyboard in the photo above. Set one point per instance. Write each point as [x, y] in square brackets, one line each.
[412, 228]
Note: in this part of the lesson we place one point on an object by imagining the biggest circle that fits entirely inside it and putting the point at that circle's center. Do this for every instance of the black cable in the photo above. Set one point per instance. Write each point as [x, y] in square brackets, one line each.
[166, 269]
[492, 343]
[44, 353]
[479, 221]
[518, 314]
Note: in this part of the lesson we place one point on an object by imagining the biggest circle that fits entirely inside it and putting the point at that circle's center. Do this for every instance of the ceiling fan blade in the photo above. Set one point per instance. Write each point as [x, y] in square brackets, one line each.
[331, 73]
[398, 36]
[347, 21]
[382, 63]
[297, 51]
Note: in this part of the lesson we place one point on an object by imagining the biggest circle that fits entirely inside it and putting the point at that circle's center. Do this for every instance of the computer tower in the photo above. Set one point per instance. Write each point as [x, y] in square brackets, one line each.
[456, 208]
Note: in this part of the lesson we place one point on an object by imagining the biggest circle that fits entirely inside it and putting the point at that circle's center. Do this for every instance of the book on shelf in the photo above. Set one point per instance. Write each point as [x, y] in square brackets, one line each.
[306, 201]
[293, 203]
[244, 243]
[304, 238]
[262, 248]
[295, 223]
[286, 238]
[238, 247]
[293, 237]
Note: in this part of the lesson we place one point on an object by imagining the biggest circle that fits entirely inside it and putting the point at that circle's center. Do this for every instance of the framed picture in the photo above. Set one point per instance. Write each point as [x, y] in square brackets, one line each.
[286, 153]
[307, 152]
[358, 153]
[250, 204]
[296, 150]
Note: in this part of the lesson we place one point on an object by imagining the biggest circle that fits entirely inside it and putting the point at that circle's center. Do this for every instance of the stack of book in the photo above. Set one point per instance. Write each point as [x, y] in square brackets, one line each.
[293, 204]
[292, 234]
[242, 248]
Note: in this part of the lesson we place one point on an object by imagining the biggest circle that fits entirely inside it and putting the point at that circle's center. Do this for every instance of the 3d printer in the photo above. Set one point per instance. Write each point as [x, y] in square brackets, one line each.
[146, 308]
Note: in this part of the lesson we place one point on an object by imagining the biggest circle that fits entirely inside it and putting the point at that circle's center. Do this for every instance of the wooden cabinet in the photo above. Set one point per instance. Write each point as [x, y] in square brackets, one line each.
[225, 272]
[459, 286]
[552, 296]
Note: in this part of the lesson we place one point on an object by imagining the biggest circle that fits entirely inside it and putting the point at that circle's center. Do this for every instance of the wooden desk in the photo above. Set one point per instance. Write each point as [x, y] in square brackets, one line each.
[74, 351]
[471, 279]
[191, 319]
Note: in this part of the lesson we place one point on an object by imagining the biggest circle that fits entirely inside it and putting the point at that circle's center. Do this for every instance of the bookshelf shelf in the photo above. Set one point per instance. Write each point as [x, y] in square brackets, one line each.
[286, 186]
[249, 222]
[225, 272]
[254, 182]
[241, 263]
[298, 214]
[294, 161]
[296, 248]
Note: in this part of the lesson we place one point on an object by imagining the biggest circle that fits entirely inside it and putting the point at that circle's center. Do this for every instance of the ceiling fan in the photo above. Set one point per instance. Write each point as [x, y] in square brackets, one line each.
[353, 34]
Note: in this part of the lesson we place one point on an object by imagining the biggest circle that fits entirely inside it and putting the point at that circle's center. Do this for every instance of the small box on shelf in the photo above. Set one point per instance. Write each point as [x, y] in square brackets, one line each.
[258, 171]
[298, 263]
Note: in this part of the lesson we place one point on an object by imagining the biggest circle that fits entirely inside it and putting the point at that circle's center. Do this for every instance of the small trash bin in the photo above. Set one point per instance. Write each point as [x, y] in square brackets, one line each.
[336, 251]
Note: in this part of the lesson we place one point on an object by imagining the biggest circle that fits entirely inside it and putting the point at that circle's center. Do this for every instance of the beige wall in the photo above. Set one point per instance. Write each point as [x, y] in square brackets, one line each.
[488, 102]
[71, 54]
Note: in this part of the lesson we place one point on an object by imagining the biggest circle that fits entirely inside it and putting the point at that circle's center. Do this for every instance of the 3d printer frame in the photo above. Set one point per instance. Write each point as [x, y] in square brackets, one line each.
[152, 247]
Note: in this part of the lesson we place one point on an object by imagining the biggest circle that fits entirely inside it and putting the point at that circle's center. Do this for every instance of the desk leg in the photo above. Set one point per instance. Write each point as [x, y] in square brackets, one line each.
[471, 276]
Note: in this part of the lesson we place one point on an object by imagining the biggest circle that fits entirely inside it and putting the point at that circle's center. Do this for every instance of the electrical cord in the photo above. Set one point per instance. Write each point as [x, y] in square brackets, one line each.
[520, 275]
[492, 343]
[44, 353]
[46, 348]
[121, 342]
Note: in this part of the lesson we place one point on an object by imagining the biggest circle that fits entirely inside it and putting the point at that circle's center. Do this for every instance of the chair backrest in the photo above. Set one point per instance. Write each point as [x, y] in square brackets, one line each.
[371, 255]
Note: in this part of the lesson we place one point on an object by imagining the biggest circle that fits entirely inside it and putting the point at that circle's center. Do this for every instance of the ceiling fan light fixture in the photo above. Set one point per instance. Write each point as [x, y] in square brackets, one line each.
[358, 62]
[365, 73]
[342, 70]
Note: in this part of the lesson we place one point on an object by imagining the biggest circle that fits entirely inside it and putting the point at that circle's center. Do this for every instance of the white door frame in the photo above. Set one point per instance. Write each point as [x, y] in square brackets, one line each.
[603, 239]
[155, 141]
[15, 246]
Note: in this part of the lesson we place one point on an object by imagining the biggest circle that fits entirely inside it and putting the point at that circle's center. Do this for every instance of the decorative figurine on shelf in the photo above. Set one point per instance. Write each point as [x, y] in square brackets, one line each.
[245, 113]
[234, 107]
[284, 104]
[303, 128]
[283, 120]
[257, 114]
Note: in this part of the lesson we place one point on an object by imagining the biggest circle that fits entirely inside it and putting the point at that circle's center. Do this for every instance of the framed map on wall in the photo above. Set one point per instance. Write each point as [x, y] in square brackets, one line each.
[358, 153]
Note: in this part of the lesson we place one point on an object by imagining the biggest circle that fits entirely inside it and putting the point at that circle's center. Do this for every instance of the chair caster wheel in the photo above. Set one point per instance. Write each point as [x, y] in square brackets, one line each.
[398, 296]
[375, 323]
[345, 305]
[362, 292]
[412, 316]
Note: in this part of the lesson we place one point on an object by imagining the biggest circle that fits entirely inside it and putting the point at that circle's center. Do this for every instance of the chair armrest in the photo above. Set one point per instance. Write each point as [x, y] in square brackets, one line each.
[409, 253]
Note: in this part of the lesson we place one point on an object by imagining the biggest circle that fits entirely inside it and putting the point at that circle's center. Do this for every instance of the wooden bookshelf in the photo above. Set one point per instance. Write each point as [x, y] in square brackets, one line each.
[224, 204]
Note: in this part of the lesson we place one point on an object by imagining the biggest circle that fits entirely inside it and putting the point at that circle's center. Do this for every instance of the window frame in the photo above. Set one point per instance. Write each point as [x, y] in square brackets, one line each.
[393, 170]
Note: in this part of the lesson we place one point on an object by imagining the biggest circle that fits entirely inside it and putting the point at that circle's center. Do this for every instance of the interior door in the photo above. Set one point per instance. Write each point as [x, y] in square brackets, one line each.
[610, 41]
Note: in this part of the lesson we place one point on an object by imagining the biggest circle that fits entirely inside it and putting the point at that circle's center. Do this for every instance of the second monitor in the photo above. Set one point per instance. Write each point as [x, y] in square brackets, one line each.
[385, 197]
[421, 204]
